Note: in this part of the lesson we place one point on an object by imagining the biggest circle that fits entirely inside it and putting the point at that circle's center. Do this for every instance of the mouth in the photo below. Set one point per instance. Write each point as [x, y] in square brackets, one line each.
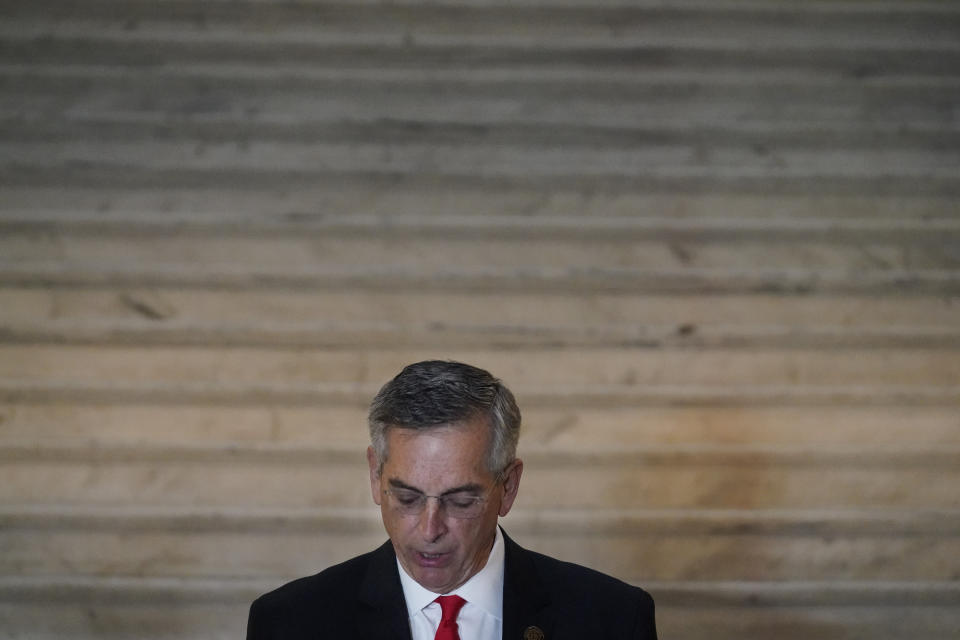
[432, 560]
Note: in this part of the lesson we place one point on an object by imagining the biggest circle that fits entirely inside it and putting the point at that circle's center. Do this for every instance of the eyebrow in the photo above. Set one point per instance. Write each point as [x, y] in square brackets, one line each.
[469, 487]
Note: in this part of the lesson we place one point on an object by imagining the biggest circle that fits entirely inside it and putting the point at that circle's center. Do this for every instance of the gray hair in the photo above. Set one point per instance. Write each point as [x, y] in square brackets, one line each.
[434, 393]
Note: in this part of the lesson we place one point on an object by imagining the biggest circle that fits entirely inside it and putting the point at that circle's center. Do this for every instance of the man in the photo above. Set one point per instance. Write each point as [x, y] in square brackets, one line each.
[443, 468]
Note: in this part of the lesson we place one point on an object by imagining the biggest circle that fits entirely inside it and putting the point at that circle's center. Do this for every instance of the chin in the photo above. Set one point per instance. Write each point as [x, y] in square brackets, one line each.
[437, 584]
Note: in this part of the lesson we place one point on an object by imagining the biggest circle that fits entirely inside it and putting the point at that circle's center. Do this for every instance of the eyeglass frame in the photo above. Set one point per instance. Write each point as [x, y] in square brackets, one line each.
[442, 502]
[442, 498]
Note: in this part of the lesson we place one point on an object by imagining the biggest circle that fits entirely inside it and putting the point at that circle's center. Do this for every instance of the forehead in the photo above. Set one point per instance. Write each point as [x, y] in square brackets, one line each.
[439, 457]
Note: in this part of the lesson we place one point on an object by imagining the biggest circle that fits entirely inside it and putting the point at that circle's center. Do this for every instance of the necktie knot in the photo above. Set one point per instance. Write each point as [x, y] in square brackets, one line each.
[450, 607]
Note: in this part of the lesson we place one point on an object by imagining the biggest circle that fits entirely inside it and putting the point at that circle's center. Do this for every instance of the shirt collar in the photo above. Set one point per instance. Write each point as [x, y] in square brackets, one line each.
[484, 589]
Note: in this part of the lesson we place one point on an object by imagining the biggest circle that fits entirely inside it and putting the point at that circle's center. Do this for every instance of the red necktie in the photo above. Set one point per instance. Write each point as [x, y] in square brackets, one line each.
[450, 605]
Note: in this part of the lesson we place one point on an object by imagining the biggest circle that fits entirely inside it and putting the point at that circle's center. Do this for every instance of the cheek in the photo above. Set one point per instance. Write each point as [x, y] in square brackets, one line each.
[471, 535]
[390, 523]
[398, 527]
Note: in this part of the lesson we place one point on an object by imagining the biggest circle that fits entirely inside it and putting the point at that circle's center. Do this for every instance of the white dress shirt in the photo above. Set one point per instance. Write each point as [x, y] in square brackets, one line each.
[481, 618]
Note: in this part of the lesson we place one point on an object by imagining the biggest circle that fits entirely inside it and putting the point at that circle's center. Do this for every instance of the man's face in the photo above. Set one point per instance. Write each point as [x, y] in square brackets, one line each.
[438, 551]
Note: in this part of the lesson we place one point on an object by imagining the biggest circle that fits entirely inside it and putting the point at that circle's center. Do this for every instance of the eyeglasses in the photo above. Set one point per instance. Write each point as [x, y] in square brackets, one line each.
[460, 504]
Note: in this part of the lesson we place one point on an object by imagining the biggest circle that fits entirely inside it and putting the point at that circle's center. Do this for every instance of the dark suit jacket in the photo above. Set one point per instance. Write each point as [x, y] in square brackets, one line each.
[362, 598]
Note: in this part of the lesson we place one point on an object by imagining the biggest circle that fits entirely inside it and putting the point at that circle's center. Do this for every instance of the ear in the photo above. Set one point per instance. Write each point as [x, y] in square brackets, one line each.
[374, 465]
[511, 485]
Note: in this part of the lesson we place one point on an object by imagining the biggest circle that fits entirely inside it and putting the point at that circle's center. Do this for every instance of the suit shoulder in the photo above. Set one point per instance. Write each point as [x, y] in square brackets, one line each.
[330, 586]
[586, 596]
[326, 604]
[586, 583]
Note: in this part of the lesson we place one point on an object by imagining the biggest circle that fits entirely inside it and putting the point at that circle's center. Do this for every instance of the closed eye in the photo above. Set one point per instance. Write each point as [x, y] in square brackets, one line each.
[460, 500]
[407, 497]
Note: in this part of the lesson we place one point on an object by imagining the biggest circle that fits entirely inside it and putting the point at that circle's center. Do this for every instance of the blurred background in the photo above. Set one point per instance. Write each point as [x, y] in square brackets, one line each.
[714, 247]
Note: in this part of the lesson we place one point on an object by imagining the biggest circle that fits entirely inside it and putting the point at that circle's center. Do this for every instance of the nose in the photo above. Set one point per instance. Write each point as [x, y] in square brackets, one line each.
[433, 520]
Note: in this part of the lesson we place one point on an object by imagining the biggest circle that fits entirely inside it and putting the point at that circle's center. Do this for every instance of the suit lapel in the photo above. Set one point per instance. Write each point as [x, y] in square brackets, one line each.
[382, 594]
[525, 600]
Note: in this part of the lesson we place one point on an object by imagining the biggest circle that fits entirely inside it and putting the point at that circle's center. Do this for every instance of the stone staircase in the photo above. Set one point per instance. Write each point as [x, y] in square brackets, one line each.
[713, 246]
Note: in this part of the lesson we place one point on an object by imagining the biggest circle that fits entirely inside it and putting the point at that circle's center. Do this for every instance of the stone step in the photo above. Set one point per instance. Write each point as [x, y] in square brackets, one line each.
[503, 28]
[139, 315]
[43, 228]
[483, 279]
[910, 545]
[773, 24]
[146, 163]
[756, 136]
[451, 52]
[594, 396]
[285, 79]
[925, 250]
[48, 607]
[159, 331]
[530, 370]
[415, 42]
[937, 184]
[807, 609]
[464, 157]
[546, 429]
[760, 7]
[345, 200]
[646, 98]
[732, 38]
[690, 318]
[80, 224]
[736, 476]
